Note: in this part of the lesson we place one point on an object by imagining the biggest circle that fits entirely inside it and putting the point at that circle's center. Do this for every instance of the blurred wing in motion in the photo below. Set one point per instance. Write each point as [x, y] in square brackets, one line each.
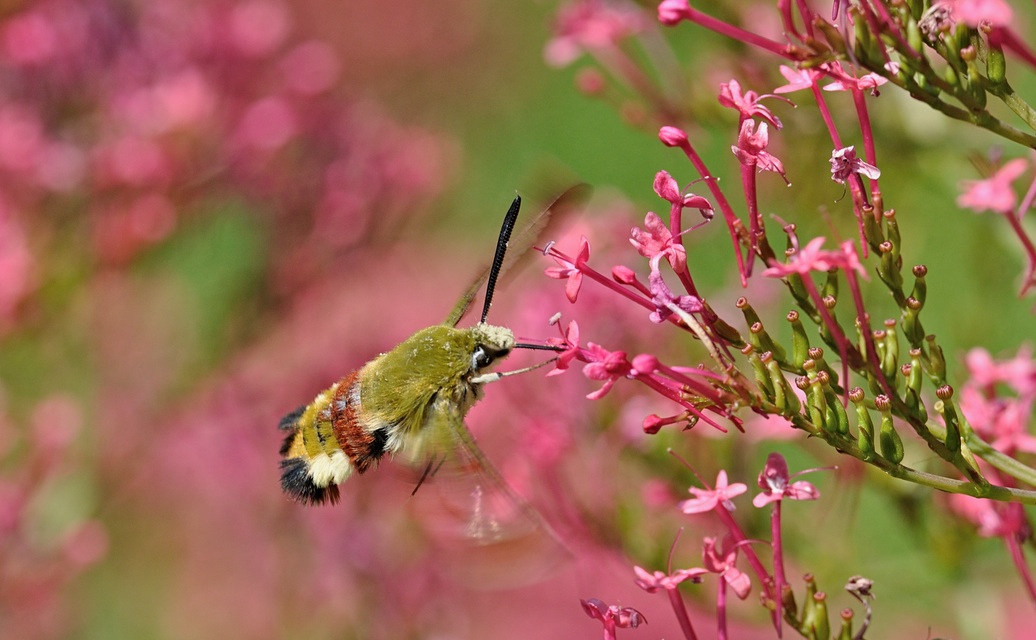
[486, 534]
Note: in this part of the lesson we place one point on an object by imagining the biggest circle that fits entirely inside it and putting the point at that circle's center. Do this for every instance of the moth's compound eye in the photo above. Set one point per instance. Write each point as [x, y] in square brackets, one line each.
[481, 358]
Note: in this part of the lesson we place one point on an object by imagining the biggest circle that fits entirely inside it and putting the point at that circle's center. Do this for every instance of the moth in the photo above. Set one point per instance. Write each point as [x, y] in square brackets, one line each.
[410, 402]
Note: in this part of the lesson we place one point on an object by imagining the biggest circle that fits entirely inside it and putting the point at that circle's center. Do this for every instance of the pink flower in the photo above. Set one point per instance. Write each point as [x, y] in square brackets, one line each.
[605, 365]
[867, 81]
[1001, 419]
[653, 582]
[571, 270]
[851, 261]
[722, 560]
[798, 79]
[844, 163]
[975, 12]
[670, 12]
[667, 188]
[774, 482]
[655, 241]
[994, 193]
[613, 617]
[588, 25]
[672, 136]
[1019, 372]
[993, 519]
[750, 149]
[662, 297]
[1004, 422]
[571, 343]
[705, 500]
[747, 103]
[806, 259]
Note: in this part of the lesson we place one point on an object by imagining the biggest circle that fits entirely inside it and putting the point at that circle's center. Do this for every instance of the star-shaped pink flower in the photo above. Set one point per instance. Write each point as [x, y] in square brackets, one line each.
[705, 500]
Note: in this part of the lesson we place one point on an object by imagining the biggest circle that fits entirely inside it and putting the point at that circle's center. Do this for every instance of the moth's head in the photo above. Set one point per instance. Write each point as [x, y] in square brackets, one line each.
[491, 344]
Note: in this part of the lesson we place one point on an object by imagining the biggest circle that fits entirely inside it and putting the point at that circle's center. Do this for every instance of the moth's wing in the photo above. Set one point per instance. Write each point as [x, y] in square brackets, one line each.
[568, 201]
[486, 534]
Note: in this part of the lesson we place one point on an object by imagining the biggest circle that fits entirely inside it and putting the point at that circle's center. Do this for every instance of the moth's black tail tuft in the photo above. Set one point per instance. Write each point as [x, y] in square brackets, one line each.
[290, 423]
[298, 484]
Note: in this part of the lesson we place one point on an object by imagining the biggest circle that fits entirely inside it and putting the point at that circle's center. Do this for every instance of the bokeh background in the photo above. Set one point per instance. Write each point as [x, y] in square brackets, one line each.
[209, 211]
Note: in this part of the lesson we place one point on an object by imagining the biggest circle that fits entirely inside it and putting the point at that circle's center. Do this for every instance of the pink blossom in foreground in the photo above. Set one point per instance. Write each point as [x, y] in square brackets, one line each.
[867, 81]
[571, 270]
[722, 558]
[570, 341]
[798, 79]
[605, 365]
[806, 259]
[774, 481]
[662, 297]
[751, 145]
[708, 499]
[746, 103]
[655, 241]
[845, 162]
[613, 617]
[993, 193]
[658, 580]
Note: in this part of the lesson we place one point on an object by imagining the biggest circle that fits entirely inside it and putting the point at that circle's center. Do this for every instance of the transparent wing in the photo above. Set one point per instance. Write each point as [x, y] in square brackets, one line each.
[486, 535]
[570, 200]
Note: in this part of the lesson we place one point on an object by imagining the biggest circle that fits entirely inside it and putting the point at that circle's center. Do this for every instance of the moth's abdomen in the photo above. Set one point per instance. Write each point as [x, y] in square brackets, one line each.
[327, 442]
[363, 444]
[314, 462]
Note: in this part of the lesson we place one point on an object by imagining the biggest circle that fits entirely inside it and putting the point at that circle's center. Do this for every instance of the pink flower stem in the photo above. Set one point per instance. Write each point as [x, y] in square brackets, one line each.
[787, 19]
[681, 373]
[678, 380]
[807, 17]
[748, 182]
[778, 562]
[825, 113]
[676, 230]
[680, 609]
[734, 225]
[737, 34]
[836, 140]
[739, 535]
[721, 609]
[1030, 250]
[595, 275]
[677, 396]
[1018, 557]
[867, 133]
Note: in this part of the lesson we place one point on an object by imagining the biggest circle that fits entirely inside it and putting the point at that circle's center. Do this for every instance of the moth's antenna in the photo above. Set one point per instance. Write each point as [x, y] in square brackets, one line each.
[501, 249]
